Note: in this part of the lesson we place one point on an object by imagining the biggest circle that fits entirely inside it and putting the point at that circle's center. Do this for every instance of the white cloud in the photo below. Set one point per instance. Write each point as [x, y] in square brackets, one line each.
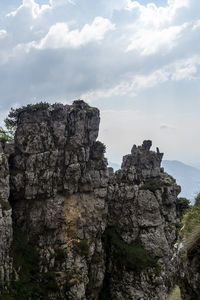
[61, 2]
[157, 16]
[3, 33]
[156, 29]
[59, 35]
[149, 42]
[185, 72]
[196, 25]
[131, 86]
[185, 69]
[179, 70]
[35, 9]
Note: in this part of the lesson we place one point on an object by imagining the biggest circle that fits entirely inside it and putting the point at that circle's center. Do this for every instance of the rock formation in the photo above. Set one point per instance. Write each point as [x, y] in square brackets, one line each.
[5, 222]
[142, 214]
[90, 233]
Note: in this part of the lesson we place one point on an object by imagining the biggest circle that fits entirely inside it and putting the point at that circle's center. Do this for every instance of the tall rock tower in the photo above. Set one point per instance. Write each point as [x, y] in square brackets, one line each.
[82, 231]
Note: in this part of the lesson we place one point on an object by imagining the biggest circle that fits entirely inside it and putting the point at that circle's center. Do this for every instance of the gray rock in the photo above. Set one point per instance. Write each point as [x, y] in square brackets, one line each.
[6, 231]
[114, 232]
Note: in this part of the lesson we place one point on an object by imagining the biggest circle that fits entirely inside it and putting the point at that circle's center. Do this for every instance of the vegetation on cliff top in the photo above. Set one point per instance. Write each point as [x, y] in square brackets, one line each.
[7, 134]
[182, 205]
[11, 120]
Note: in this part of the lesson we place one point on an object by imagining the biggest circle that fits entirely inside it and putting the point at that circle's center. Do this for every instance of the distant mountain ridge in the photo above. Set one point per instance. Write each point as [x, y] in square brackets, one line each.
[187, 177]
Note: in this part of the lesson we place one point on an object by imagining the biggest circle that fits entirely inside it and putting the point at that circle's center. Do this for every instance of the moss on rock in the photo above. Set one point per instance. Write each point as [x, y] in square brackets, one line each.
[131, 256]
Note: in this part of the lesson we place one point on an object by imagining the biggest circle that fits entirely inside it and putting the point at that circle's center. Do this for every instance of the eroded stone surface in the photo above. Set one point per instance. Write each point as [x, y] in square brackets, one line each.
[142, 207]
[67, 201]
[5, 222]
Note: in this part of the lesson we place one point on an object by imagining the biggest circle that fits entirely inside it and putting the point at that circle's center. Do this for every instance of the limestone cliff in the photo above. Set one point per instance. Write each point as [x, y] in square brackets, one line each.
[90, 233]
[142, 211]
[5, 222]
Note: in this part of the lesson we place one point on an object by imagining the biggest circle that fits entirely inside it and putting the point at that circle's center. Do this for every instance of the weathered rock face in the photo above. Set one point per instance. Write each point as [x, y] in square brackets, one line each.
[59, 181]
[5, 222]
[142, 211]
[98, 234]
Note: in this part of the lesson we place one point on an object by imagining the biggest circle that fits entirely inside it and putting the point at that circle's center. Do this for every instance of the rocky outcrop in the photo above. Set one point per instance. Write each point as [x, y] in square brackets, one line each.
[142, 211]
[5, 223]
[90, 233]
[59, 182]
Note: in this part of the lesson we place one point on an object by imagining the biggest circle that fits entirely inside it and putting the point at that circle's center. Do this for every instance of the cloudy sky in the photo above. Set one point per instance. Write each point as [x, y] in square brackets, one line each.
[138, 61]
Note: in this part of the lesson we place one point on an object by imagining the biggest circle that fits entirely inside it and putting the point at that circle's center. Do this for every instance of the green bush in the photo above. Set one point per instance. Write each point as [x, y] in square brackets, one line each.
[11, 120]
[101, 146]
[60, 255]
[197, 200]
[191, 231]
[5, 136]
[4, 204]
[152, 184]
[81, 247]
[72, 278]
[192, 217]
[131, 256]
[182, 205]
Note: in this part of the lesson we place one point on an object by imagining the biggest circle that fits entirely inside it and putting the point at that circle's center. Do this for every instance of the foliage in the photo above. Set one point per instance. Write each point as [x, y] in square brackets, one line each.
[191, 230]
[5, 136]
[175, 294]
[192, 243]
[97, 258]
[80, 104]
[72, 278]
[192, 217]
[131, 256]
[182, 205]
[81, 247]
[60, 255]
[101, 146]
[4, 204]
[32, 284]
[197, 200]
[152, 184]
[13, 116]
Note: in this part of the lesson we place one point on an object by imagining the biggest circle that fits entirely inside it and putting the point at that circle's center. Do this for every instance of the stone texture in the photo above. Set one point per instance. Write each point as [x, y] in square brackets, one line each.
[143, 207]
[67, 201]
[59, 181]
[5, 223]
